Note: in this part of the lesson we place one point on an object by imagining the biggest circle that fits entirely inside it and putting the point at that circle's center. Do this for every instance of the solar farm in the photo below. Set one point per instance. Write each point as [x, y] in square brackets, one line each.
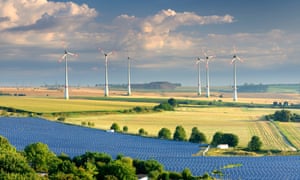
[175, 156]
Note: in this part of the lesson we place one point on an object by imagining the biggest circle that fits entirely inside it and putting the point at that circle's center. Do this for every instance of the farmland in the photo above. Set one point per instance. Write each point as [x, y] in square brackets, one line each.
[174, 155]
[242, 121]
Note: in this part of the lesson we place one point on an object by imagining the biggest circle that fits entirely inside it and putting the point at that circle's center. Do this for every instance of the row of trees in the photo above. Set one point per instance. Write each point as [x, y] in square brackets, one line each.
[196, 136]
[38, 162]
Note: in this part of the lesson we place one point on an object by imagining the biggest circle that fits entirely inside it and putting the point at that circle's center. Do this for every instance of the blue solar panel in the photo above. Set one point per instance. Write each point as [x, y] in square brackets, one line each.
[174, 155]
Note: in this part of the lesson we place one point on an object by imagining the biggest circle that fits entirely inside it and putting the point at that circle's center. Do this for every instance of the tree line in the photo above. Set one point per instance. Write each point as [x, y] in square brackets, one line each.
[37, 161]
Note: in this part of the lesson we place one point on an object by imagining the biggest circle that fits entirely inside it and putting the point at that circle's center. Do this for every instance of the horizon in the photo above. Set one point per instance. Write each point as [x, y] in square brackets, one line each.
[163, 38]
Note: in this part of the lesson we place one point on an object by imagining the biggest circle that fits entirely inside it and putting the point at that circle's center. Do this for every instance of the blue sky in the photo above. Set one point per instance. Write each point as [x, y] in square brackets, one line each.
[164, 37]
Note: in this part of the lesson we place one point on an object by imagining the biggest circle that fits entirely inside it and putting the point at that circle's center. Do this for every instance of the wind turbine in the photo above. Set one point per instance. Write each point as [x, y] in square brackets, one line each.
[65, 58]
[129, 74]
[207, 58]
[235, 58]
[198, 61]
[106, 93]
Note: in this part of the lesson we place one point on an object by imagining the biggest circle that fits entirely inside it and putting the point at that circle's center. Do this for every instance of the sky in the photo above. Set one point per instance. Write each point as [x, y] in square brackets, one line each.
[162, 37]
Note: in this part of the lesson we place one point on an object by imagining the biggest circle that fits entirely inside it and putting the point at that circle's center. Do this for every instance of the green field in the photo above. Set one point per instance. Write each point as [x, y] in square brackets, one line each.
[242, 121]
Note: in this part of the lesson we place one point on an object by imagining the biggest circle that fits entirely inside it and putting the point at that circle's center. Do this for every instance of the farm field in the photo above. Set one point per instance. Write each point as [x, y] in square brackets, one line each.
[292, 132]
[243, 122]
[50, 105]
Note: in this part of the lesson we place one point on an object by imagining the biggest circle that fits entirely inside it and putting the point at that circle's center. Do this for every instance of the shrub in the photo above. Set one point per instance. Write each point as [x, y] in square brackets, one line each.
[163, 106]
[62, 119]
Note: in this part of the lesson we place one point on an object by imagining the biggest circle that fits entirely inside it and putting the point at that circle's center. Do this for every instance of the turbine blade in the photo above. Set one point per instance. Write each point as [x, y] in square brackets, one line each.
[233, 60]
[101, 50]
[238, 58]
[110, 53]
[63, 57]
[72, 54]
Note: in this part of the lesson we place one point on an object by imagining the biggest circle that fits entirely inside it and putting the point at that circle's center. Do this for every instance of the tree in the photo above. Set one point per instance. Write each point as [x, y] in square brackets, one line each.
[230, 139]
[255, 144]
[142, 132]
[217, 138]
[186, 174]
[283, 115]
[164, 133]
[115, 127]
[173, 102]
[197, 136]
[125, 128]
[118, 169]
[227, 138]
[179, 134]
[39, 156]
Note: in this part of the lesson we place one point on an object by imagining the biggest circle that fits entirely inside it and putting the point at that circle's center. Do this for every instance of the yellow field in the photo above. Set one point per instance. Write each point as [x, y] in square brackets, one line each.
[49, 105]
[243, 122]
[292, 131]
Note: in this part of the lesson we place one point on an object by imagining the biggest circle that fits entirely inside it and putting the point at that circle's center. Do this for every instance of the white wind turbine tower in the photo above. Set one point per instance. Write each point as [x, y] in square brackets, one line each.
[198, 61]
[129, 75]
[207, 58]
[235, 58]
[106, 93]
[65, 58]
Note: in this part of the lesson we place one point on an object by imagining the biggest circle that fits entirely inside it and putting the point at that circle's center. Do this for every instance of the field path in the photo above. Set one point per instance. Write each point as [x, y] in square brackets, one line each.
[293, 148]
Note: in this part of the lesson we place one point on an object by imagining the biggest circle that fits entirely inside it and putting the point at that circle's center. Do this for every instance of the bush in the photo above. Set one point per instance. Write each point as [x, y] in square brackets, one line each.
[163, 106]
[115, 127]
[255, 144]
[164, 133]
[62, 119]
[179, 134]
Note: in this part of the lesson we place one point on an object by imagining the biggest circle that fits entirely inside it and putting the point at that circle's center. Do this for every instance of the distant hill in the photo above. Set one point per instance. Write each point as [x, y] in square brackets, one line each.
[159, 85]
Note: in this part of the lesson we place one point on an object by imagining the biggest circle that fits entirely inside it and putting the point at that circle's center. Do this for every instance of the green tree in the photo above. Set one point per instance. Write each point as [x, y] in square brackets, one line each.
[197, 136]
[283, 115]
[118, 169]
[254, 144]
[115, 127]
[186, 174]
[125, 129]
[142, 132]
[173, 102]
[179, 134]
[230, 139]
[164, 133]
[39, 156]
[217, 139]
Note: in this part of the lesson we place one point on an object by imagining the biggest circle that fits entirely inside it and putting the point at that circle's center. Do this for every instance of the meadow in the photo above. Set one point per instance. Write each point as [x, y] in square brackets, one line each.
[242, 121]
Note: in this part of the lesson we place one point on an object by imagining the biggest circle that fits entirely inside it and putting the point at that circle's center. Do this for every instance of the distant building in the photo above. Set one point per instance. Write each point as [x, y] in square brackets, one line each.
[223, 146]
